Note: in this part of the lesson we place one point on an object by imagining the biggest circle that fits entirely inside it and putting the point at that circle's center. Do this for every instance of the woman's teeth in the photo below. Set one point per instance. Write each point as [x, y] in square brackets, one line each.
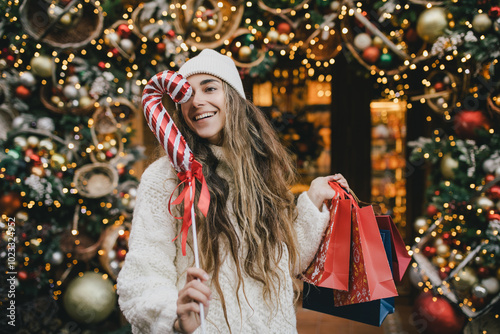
[204, 115]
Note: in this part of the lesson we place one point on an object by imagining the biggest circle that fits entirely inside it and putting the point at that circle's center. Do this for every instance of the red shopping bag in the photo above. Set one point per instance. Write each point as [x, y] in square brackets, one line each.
[330, 267]
[400, 257]
[370, 274]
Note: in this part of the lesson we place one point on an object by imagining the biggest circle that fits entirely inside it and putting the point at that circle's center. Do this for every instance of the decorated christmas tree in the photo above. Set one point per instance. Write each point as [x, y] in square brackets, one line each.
[71, 78]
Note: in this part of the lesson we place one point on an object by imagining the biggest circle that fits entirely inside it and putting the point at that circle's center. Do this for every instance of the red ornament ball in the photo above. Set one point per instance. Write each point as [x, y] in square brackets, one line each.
[489, 178]
[429, 251]
[435, 315]
[22, 275]
[171, 34]
[466, 123]
[284, 28]
[120, 254]
[371, 54]
[161, 47]
[10, 59]
[494, 192]
[444, 272]
[10, 203]
[101, 65]
[115, 52]
[493, 216]
[432, 210]
[22, 92]
[483, 272]
[439, 86]
[123, 31]
[446, 238]
[494, 12]
[411, 35]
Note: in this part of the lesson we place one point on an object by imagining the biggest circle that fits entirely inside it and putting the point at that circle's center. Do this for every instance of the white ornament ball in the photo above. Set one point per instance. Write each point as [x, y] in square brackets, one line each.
[70, 92]
[54, 12]
[362, 41]
[484, 203]
[112, 39]
[45, 123]
[57, 258]
[335, 5]
[112, 254]
[42, 66]
[481, 23]
[27, 79]
[19, 122]
[421, 224]
[448, 166]
[273, 36]
[127, 45]
[438, 241]
[90, 298]
[490, 166]
[431, 24]
[491, 284]
[72, 80]
[21, 142]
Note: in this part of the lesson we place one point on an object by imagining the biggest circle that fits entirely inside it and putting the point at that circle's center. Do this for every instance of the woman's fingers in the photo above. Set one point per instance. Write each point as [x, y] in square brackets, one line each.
[194, 291]
[340, 179]
[196, 273]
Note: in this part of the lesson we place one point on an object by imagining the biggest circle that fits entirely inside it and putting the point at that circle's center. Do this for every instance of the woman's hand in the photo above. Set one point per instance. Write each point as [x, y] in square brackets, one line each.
[320, 190]
[194, 292]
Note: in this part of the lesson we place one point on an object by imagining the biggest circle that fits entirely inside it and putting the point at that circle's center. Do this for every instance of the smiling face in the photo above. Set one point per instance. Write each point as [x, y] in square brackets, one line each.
[205, 111]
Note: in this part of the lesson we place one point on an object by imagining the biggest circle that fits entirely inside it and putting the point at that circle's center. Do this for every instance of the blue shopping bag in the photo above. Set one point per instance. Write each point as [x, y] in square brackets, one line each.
[372, 313]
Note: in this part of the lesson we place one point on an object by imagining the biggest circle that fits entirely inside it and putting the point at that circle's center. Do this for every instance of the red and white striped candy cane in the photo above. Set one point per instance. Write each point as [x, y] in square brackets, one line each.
[160, 122]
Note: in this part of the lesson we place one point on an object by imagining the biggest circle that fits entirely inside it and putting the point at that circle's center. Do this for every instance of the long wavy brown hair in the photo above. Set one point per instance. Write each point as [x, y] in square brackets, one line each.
[263, 205]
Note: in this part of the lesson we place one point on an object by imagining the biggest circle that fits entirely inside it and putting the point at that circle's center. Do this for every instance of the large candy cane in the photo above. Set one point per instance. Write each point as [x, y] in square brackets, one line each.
[179, 153]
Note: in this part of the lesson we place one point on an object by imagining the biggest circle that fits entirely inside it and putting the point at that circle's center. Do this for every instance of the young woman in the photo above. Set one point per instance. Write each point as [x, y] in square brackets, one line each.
[255, 239]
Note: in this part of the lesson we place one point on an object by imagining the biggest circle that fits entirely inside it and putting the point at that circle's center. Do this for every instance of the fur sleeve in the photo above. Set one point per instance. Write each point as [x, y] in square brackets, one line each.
[147, 282]
[310, 226]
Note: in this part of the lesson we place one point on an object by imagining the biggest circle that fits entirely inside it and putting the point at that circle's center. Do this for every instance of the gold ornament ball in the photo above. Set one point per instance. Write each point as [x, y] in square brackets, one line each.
[443, 250]
[245, 53]
[90, 298]
[448, 166]
[202, 26]
[431, 24]
[465, 279]
[438, 242]
[38, 171]
[481, 23]
[497, 100]
[57, 160]
[439, 261]
[33, 141]
[66, 19]
[46, 144]
[212, 24]
[86, 101]
[273, 36]
[42, 66]
[284, 38]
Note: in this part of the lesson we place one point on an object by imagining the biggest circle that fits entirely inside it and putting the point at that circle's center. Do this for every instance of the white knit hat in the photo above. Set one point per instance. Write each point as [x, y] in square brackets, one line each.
[213, 63]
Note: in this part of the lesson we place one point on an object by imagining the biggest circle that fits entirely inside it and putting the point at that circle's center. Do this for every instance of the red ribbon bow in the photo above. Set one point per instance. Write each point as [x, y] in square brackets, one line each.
[187, 195]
